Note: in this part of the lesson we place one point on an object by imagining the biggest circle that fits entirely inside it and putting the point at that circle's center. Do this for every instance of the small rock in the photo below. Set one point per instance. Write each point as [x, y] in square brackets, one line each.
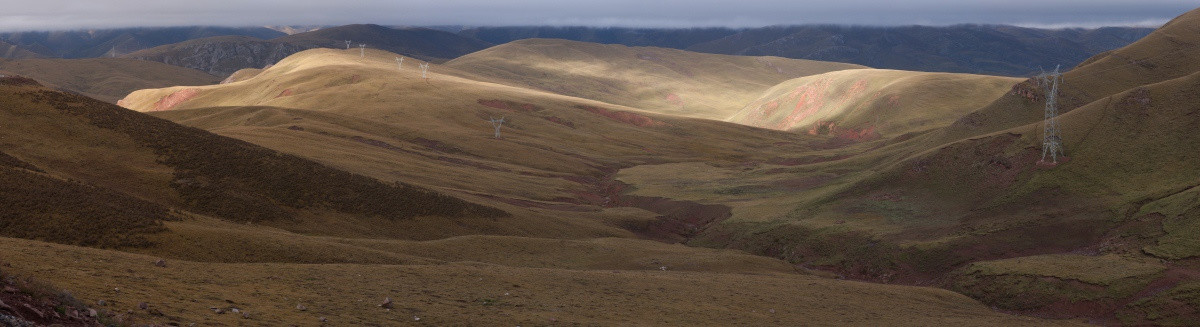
[5, 307]
[92, 312]
[219, 311]
[387, 303]
[155, 312]
[245, 315]
[102, 303]
[160, 263]
[663, 268]
[143, 306]
[415, 318]
[235, 310]
[301, 307]
[10, 289]
[324, 320]
[35, 311]
[117, 289]
[771, 311]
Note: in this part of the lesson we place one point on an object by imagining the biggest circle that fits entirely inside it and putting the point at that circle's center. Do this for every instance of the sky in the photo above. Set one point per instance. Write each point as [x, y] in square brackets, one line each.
[95, 14]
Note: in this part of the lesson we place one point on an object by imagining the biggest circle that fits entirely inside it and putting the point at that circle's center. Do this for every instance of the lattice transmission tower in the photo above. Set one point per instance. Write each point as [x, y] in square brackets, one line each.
[1051, 138]
[497, 123]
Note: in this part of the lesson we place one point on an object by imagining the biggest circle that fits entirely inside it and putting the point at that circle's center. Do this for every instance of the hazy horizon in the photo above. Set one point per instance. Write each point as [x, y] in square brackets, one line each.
[54, 15]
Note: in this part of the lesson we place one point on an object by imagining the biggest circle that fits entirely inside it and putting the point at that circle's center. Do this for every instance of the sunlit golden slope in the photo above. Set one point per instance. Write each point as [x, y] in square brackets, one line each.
[868, 103]
[660, 80]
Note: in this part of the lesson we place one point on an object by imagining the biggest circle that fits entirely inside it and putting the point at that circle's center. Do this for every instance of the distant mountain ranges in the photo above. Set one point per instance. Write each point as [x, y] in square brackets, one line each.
[980, 49]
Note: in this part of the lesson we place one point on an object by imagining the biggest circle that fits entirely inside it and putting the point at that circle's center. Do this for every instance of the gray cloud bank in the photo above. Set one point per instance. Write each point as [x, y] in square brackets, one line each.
[62, 14]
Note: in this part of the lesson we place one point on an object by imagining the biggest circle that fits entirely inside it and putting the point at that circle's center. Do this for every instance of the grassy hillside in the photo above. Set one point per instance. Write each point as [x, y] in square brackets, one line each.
[927, 202]
[868, 103]
[106, 79]
[109, 154]
[11, 51]
[97, 43]
[424, 43]
[656, 79]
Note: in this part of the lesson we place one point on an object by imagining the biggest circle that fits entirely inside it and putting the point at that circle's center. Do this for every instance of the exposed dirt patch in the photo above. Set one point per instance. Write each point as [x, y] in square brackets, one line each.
[285, 93]
[174, 99]
[436, 145]
[560, 121]
[624, 116]
[679, 221]
[509, 105]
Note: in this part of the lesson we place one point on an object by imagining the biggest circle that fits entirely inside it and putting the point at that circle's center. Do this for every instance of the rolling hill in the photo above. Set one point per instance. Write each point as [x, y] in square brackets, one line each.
[10, 51]
[224, 55]
[970, 206]
[870, 103]
[555, 158]
[975, 49]
[948, 191]
[315, 242]
[115, 42]
[106, 79]
[656, 79]
[219, 55]
[423, 43]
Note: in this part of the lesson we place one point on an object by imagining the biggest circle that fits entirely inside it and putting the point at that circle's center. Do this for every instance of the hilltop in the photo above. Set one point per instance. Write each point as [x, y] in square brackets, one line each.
[656, 79]
[224, 55]
[871, 103]
[976, 49]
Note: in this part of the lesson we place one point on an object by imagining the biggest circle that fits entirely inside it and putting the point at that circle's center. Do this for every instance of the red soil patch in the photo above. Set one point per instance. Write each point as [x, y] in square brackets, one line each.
[844, 135]
[679, 221]
[287, 92]
[674, 99]
[560, 121]
[174, 99]
[538, 204]
[804, 183]
[509, 105]
[1028, 89]
[436, 145]
[624, 117]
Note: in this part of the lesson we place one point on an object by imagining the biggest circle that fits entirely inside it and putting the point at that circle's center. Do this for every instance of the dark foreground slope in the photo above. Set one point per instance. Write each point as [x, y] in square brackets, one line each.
[80, 171]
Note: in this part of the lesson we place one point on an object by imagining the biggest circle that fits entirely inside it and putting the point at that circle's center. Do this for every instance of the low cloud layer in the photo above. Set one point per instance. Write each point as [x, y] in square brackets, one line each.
[63, 14]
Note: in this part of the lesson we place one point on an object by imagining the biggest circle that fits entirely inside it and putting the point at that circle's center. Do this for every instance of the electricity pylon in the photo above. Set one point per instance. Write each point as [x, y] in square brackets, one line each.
[362, 50]
[497, 123]
[424, 68]
[399, 63]
[347, 44]
[1051, 139]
